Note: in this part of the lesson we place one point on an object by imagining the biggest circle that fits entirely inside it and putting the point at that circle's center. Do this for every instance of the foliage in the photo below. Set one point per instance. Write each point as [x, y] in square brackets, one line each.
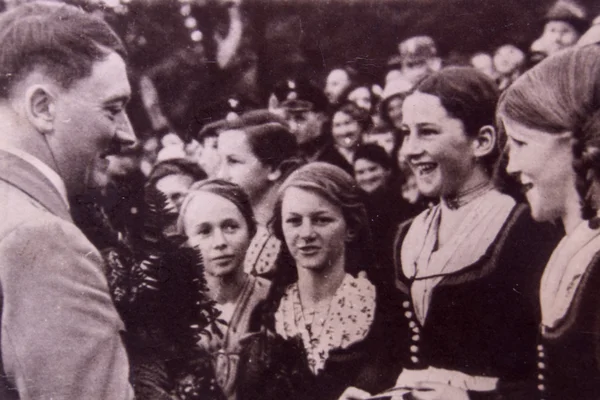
[159, 289]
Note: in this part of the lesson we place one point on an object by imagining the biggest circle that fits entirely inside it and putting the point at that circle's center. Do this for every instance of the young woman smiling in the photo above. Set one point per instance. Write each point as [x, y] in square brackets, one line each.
[332, 319]
[348, 123]
[552, 119]
[464, 265]
[217, 218]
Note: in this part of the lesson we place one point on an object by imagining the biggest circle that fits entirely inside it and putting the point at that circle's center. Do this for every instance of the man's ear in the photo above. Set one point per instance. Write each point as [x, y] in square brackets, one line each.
[40, 108]
[485, 142]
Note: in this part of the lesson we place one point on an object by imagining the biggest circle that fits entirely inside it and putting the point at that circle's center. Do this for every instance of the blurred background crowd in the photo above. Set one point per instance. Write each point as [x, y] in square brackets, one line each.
[335, 72]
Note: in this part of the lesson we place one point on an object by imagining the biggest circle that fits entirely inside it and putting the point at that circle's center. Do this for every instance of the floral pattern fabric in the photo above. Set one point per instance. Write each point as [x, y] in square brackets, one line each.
[347, 321]
[262, 253]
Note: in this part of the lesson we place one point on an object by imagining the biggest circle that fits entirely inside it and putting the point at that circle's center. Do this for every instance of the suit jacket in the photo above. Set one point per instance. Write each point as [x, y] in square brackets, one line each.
[60, 332]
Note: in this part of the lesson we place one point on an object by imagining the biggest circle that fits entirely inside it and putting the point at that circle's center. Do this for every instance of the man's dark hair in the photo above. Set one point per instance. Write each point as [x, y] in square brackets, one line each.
[61, 40]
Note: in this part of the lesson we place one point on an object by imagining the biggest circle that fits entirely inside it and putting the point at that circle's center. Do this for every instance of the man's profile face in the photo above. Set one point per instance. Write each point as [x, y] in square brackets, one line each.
[557, 35]
[305, 125]
[90, 120]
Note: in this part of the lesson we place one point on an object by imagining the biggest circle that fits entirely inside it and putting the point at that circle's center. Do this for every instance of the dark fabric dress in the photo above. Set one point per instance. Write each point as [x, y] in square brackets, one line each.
[277, 368]
[568, 356]
[386, 209]
[482, 320]
[332, 156]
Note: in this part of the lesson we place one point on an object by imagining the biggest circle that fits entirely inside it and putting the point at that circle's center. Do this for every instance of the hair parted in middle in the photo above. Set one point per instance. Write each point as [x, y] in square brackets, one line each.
[334, 185]
[469, 95]
[227, 190]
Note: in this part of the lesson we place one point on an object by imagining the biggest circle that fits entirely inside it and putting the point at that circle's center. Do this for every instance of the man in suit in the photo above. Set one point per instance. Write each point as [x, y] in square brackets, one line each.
[63, 90]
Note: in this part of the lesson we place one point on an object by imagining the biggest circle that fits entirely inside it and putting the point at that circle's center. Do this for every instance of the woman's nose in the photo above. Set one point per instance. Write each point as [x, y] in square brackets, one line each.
[410, 147]
[219, 240]
[306, 230]
[511, 164]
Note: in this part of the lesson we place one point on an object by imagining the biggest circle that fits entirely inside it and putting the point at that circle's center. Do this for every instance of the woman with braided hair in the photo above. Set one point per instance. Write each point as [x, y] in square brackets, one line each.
[551, 116]
[465, 266]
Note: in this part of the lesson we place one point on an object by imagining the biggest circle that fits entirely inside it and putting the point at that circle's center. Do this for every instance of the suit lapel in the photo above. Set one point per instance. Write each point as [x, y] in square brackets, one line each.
[30, 180]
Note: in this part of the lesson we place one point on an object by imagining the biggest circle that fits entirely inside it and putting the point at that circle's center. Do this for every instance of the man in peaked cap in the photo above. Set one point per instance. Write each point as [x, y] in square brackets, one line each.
[564, 24]
[63, 92]
[418, 57]
[304, 108]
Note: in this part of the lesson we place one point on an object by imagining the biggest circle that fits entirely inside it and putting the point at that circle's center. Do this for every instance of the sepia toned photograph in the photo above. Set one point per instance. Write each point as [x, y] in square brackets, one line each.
[299, 200]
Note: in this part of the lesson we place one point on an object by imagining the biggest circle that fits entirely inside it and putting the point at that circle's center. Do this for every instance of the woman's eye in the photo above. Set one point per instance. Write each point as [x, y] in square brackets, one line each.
[294, 221]
[204, 231]
[322, 220]
[230, 227]
[516, 143]
[428, 132]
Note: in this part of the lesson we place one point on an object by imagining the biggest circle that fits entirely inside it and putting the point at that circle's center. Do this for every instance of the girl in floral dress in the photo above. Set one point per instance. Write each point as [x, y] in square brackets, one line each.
[328, 325]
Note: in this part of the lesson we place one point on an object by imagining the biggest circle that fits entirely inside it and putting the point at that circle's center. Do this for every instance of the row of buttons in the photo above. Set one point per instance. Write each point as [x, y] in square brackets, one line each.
[541, 355]
[416, 332]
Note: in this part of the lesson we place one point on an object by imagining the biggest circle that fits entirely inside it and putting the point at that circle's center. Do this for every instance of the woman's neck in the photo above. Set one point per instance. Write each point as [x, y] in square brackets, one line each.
[227, 288]
[477, 184]
[319, 286]
[452, 210]
[571, 217]
[264, 205]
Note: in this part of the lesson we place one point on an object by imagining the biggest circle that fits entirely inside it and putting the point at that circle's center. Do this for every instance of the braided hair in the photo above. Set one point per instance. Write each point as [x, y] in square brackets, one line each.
[562, 94]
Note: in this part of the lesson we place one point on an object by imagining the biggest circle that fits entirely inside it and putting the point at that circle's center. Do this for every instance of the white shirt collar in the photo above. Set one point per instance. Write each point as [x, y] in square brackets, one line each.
[44, 169]
[565, 271]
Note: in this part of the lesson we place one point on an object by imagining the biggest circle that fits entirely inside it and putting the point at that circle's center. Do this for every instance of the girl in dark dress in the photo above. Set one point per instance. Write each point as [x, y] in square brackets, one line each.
[466, 265]
[386, 208]
[552, 119]
[329, 326]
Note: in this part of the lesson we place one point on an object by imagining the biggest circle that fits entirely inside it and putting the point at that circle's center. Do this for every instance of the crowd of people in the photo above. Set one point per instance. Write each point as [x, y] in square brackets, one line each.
[434, 235]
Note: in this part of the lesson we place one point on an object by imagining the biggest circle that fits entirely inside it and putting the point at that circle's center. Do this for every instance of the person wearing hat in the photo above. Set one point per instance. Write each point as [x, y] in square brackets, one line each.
[565, 22]
[418, 57]
[207, 156]
[509, 62]
[391, 102]
[304, 108]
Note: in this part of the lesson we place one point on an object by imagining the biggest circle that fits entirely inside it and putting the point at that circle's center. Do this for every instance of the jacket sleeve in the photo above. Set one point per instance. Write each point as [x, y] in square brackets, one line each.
[60, 330]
